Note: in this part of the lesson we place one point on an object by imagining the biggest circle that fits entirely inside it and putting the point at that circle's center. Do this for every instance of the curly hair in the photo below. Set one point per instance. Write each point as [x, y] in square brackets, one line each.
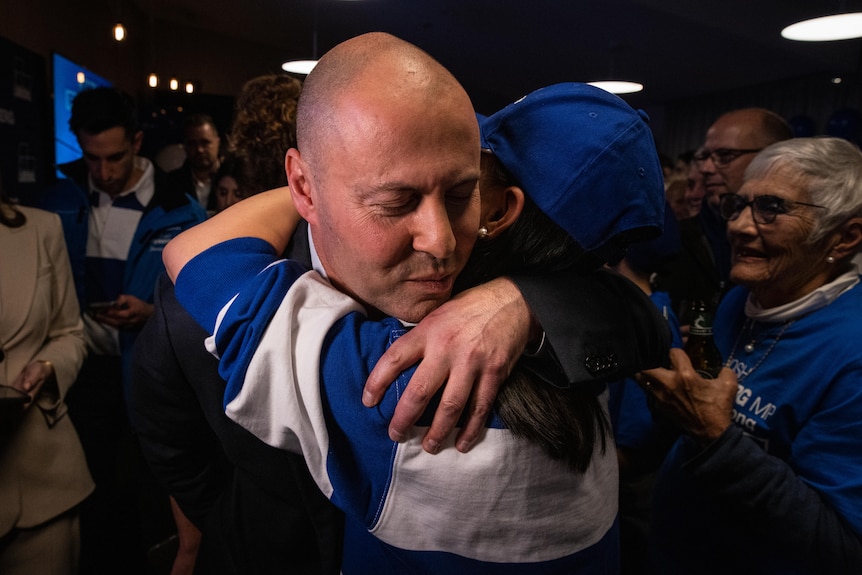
[264, 128]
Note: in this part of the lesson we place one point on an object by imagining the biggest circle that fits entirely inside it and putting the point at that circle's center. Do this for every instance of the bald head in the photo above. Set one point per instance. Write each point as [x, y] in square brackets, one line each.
[746, 131]
[752, 127]
[377, 67]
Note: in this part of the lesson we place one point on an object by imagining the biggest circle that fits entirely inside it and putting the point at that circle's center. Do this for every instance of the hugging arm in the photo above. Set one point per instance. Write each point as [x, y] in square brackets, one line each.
[473, 341]
[269, 216]
[596, 326]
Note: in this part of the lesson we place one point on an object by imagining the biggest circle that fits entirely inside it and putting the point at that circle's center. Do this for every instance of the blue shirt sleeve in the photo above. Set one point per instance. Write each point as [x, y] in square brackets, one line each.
[240, 268]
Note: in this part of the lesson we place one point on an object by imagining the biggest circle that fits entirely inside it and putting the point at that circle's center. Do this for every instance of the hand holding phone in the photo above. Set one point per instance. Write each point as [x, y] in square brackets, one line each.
[98, 306]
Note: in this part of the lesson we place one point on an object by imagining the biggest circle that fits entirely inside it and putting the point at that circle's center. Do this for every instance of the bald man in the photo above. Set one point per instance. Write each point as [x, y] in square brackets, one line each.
[731, 143]
[702, 269]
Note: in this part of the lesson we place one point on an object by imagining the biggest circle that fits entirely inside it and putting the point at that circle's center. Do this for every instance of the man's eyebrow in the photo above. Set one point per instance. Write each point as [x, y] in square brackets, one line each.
[398, 187]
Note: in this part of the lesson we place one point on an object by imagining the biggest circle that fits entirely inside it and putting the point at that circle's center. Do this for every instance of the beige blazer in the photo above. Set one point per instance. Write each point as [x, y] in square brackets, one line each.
[43, 472]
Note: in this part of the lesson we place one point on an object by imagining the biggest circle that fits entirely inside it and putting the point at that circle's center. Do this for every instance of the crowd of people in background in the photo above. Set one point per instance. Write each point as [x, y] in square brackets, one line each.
[128, 446]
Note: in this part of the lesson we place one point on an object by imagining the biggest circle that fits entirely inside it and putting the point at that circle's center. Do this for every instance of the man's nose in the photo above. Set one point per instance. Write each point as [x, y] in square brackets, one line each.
[433, 230]
[104, 171]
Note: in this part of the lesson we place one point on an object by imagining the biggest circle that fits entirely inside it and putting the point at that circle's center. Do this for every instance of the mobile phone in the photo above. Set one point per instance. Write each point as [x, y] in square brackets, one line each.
[10, 396]
[98, 306]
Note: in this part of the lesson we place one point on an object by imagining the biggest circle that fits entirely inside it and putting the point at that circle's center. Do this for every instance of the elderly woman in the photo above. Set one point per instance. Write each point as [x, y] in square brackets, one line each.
[767, 477]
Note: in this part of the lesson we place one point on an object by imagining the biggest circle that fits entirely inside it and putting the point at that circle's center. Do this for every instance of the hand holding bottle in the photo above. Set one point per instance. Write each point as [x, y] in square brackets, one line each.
[700, 346]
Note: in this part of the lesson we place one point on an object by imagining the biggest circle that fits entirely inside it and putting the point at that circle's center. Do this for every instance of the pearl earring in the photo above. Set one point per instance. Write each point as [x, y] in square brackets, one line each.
[830, 260]
[483, 232]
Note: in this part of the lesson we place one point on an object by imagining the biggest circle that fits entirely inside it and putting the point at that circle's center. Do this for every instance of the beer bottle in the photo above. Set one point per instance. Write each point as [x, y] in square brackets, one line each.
[700, 347]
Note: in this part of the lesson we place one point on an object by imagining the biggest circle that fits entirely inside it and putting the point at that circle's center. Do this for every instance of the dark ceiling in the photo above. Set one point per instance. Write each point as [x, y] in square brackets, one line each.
[502, 49]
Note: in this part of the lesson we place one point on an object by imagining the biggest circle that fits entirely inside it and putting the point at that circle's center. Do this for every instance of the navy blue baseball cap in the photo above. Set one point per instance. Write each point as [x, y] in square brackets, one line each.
[587, 159]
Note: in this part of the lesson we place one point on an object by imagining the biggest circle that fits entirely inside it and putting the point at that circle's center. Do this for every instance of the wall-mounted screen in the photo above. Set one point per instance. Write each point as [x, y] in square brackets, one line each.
[25, 158]
[69, 78]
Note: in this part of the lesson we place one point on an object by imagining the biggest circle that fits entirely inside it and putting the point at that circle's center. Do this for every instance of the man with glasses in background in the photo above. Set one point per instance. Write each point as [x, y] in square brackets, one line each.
[702, 268]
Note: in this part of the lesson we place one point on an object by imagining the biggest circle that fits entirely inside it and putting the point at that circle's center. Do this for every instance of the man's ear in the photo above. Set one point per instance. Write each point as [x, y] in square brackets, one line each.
[849, 238]
[509, 211]
[137, 140]
[298, 178]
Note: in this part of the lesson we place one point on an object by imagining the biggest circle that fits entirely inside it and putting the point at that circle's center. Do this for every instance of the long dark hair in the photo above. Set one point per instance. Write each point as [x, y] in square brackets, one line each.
[566, 423]
[9, 216]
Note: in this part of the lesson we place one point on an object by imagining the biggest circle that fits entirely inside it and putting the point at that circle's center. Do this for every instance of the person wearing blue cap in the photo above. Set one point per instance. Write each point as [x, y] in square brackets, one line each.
[295, 352]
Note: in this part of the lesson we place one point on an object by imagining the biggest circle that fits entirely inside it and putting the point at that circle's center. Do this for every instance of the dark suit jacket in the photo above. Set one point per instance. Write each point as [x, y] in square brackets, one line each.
[599, 327]
[185, 180]
[695, 273]
[257, 506]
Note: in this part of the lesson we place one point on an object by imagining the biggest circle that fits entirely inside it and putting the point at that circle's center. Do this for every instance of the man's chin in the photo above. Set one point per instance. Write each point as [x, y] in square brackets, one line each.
[415, 312]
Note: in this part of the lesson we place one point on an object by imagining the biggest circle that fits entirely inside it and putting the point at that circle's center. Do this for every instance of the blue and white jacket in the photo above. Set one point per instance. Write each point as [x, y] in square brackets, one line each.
[295, 353]
[169, 212]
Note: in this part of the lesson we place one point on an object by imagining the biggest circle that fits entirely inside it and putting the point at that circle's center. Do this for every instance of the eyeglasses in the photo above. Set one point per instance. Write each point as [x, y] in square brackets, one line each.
[722, 156]
[764, 209]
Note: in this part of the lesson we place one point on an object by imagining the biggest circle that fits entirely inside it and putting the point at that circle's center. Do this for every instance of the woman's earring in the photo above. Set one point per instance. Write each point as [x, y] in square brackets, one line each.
[830, 260]
[483, 232]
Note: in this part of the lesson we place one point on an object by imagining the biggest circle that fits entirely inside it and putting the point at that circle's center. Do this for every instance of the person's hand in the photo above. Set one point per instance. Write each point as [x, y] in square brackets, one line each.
[701, 407]
[32, 377]
[128, 312]
[189, 538]
[473, 341]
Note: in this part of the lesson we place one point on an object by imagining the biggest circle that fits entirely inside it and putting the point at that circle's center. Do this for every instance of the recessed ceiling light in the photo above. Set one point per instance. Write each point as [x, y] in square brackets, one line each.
[826, 28]
[618, 86]
[299, 66]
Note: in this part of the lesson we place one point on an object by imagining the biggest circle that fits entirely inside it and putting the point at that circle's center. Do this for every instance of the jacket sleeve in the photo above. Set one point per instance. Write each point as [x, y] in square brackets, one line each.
[64, 347]
[599, 325]
[775, 499]
[175, 437]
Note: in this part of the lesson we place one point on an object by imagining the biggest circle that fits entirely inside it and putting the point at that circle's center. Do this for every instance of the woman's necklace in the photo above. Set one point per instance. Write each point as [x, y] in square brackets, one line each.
[750, 346]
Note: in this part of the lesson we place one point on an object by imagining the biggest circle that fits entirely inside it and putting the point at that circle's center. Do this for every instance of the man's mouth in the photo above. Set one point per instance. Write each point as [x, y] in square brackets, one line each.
[434, 282]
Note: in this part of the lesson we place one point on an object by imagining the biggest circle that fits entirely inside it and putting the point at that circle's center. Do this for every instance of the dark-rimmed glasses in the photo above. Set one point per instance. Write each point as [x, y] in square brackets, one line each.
[722, 156]
[764, 209]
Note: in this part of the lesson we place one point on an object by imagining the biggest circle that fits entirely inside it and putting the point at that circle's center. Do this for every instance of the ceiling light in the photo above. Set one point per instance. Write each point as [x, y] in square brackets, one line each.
[826, 28]
[153, 80]
[299, 66]
[174, 84]
[190, 88]
[618, 86]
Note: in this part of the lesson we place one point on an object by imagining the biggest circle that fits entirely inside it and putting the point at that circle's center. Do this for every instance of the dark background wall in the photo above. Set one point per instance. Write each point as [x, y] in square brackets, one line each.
[219, 63]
